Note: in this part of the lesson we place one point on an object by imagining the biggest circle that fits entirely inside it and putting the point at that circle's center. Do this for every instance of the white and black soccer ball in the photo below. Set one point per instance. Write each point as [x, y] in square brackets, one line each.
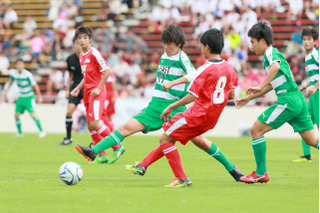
[70, 173]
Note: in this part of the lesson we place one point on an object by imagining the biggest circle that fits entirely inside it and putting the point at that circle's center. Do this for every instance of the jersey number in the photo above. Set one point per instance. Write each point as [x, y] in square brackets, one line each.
[218, 95]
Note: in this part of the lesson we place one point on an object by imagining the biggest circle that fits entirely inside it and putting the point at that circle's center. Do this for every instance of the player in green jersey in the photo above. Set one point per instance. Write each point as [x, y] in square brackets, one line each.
[26, 100]
[174, 73]
[290, 107]
[309, 37]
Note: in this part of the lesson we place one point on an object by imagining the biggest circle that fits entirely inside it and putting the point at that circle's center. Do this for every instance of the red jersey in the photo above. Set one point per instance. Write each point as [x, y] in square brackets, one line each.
[212, 85]
[108, 86]
[92, 66]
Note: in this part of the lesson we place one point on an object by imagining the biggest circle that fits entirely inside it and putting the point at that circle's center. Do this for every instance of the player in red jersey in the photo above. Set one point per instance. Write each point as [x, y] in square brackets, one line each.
[210, 90]
[95, 72]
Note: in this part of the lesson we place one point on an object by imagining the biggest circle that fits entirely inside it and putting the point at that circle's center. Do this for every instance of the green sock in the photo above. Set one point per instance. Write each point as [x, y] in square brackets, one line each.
[215, 152]
[259, 146]
[38, 123]
[306, 148]
[318, 145]
[113, 139]
[18, 123]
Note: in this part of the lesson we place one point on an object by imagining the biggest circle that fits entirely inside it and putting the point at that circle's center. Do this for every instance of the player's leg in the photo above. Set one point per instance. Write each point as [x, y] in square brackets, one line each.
[18, 111]
[214, 151]
[18, 124]
[69, 121]
[30, 107]
[310, 137]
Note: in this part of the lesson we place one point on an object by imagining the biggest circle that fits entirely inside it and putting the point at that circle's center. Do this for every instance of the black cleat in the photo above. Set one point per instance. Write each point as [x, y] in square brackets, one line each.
[66, 141]
[87, 152]
[91, 145]
[236, 173]
[137, 169]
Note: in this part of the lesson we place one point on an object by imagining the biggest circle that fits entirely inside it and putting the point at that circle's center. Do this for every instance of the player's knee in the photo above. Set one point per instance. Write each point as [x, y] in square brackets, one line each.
[16, 116]
[256, 132]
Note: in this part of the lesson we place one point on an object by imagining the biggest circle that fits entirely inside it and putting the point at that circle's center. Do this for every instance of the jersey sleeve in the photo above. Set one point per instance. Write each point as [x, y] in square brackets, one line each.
[197, 83]
[186, 64]
[99, 61]
[315, 55]
[12, 76]
[271, 56]
[31, 79]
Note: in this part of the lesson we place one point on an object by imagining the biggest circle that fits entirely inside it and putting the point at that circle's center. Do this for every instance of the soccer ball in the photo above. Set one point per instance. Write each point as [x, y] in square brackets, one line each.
[70, 173]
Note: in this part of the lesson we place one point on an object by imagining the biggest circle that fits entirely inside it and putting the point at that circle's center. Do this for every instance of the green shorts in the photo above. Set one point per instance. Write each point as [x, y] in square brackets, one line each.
[150, 116]
[290, 107]
[25, 103]
[313, 107]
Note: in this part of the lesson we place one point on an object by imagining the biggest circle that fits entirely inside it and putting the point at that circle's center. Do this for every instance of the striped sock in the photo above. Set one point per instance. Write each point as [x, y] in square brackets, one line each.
[18, 123]
[173, 157]
[38, 123]
[96, 138]
[152, 157]
[259, 146]
[104, 131]
[113, 139]
[318, 145]
[215, 152]
[69, 122]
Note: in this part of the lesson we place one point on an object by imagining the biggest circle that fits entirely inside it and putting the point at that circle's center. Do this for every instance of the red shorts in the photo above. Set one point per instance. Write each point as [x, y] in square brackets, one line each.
[94, 109]
[178, 129]
[110, 109]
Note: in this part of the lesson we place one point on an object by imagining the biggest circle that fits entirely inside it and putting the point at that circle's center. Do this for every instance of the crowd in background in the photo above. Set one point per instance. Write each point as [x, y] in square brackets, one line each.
[128, 54]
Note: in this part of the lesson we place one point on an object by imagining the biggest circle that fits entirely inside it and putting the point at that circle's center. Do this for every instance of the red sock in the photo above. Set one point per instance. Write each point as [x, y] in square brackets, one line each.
[104, 131]
[96, 138]
[152, 157]
[115, 146]
[173, 157]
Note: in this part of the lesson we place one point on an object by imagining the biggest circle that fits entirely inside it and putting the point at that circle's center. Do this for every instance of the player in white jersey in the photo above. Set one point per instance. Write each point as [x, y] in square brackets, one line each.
[26, 100]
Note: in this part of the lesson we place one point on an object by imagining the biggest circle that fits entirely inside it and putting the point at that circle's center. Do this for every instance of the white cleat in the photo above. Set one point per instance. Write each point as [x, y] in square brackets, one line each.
[42, 134]
[19, 135]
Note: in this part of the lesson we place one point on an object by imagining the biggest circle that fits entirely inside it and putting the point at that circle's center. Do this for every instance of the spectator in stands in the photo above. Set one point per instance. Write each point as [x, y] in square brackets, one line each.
[55, 82]
[294, 46]
[29, 25]
[295, 9]
[4, 64]
[10, 17]
[36, 43]
[234, 38]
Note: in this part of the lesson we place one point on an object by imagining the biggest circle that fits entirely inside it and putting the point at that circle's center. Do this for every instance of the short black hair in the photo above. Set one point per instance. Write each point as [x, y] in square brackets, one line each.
[173, 33]
[213, 38]
[74, 39]
[261, 30]
[310, 31]
[19, 59]
[83, 30]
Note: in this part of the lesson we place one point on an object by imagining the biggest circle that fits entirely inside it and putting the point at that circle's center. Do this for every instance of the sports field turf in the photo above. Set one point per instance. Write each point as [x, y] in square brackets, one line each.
[29, 180]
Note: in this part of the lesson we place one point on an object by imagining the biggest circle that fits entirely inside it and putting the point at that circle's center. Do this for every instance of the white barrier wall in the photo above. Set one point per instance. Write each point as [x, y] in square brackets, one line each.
[231, 123]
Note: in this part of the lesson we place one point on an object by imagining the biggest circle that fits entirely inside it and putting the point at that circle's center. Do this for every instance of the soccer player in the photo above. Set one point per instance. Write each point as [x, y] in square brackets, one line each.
[75, 77]
[309, 38]
[95, 72]
[172, 43]
[290, 107]
[26, 101]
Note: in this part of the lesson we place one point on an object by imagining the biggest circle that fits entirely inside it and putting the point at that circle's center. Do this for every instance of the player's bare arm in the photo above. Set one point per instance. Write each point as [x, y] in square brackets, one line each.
[313, 89]
[275, 66]
[95, 92]
[232, 94]
[38, 93]
[182, 102]
[75, 91]
[4, 95]
[69, 84]
[240, 102]
[169, 84]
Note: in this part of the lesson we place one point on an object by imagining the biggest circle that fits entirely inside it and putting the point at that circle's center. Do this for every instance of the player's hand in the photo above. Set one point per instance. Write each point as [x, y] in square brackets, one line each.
[40, 99]
[301, 88]
[252, 90]
[311, 90]
[166, 113]
[67, 93]
[167, 85]
[95, 92]
[75, 92]
[240, 102]
[113, 99]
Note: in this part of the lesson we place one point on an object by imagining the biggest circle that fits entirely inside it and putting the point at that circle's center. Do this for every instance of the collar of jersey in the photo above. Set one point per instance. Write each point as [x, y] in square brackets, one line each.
[216, 60]
[87, 51]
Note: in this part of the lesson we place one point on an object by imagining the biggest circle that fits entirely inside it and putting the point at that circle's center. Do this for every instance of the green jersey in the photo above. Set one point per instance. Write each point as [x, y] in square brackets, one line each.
[283, 82]
[171, 68]
[312, 66]
[25, 81]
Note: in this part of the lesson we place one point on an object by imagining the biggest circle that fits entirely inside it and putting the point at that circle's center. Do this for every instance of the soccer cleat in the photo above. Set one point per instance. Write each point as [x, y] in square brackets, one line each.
[303, 159]
[137, 169]
[236, 173]
[18, 135]
[42, 134]
[176, 182]
[254, 178]
[87, 152]
[66, 141]
[101, 159]
[91, 145]
[116, 154]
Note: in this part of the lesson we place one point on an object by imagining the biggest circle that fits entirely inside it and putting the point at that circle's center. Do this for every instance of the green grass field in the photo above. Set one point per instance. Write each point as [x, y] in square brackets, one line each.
[29, 180]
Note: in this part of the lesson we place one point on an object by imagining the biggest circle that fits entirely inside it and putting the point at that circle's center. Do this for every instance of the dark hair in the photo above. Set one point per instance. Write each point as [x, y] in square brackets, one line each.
[19, 59]
[213, 38]
[262, 30]
[74, 39]
[83, 30]
[310, 31]
[173, 33]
